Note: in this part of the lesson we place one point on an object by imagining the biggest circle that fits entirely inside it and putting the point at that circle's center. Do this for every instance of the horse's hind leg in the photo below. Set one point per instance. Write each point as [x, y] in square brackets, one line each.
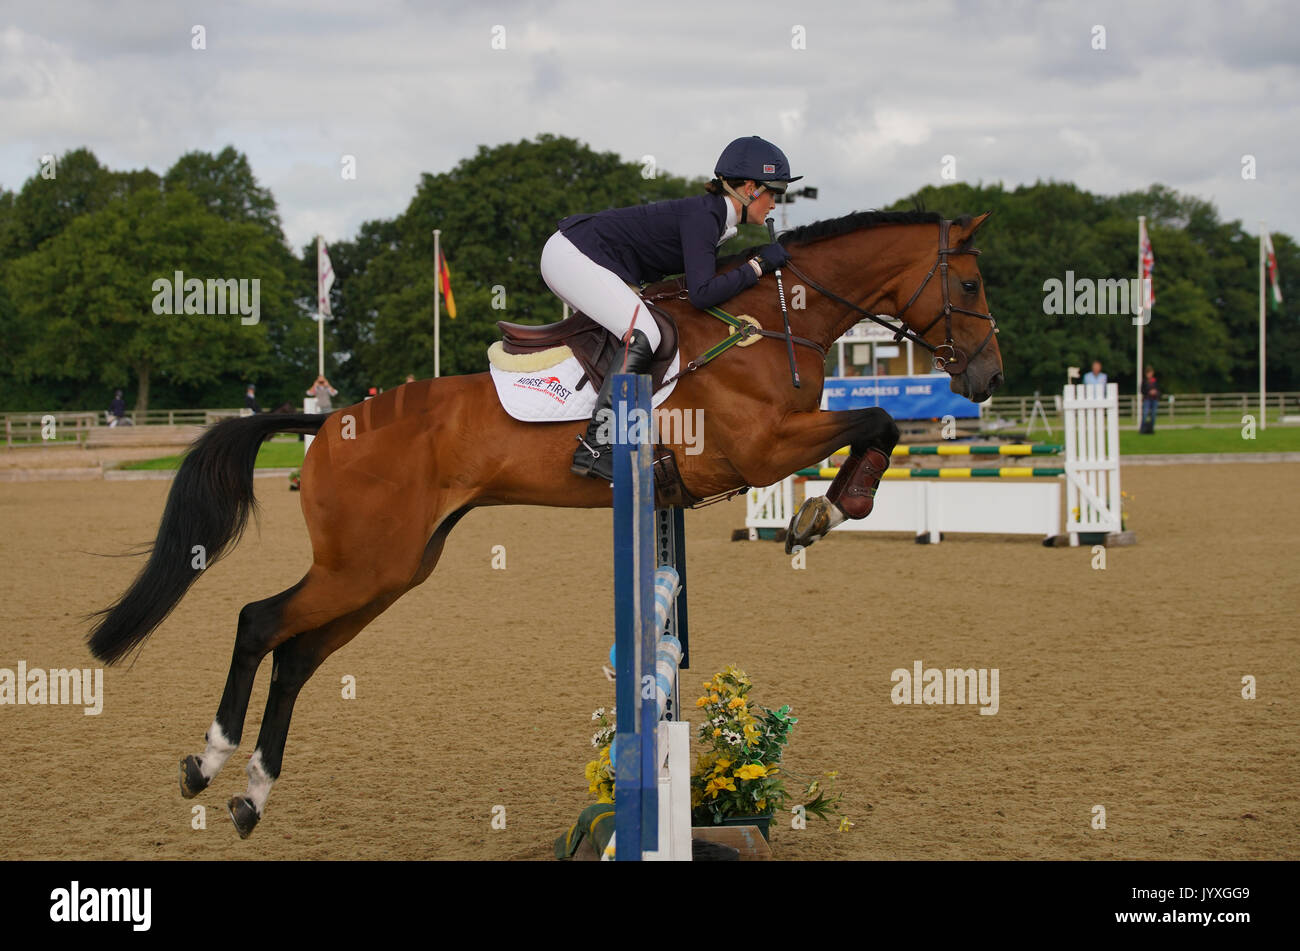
[294, 661]
[259, 622]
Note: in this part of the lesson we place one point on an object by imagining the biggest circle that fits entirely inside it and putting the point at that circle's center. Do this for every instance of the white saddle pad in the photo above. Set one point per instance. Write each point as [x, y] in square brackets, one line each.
[546, 391]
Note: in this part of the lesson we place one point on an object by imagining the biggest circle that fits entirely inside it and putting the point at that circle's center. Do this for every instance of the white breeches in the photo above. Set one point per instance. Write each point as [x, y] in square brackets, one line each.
[596, 291]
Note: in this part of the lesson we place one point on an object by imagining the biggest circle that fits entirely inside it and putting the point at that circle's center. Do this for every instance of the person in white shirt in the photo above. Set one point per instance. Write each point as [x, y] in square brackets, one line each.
[1095, 375]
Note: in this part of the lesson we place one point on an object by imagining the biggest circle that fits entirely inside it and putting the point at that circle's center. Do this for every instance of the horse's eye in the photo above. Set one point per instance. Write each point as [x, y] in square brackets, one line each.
[970, 287]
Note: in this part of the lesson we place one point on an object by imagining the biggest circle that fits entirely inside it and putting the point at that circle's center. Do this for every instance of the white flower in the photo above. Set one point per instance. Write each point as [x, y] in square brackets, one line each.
[600, 712]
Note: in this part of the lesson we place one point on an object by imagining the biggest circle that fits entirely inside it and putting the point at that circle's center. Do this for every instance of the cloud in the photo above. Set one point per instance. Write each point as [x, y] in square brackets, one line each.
[1014, 91]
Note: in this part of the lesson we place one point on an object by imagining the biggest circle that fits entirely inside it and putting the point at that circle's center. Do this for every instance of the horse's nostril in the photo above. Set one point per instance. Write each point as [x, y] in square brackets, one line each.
[995, 381]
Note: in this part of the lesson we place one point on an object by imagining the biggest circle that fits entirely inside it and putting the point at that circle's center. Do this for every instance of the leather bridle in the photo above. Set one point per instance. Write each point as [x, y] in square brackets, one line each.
[947, 356]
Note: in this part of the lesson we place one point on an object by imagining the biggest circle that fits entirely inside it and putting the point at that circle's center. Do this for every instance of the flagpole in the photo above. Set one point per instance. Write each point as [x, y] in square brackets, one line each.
[437, 314]
[1142, 297]
[1263, 410]
[320, 316]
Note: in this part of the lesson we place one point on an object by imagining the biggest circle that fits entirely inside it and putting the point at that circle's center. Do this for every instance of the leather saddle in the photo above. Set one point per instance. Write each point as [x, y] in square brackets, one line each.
[599, 352]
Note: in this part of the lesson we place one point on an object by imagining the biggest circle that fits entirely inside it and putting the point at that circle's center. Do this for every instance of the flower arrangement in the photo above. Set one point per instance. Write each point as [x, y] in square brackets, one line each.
[739, 771]
[295, 480]
[600, 771]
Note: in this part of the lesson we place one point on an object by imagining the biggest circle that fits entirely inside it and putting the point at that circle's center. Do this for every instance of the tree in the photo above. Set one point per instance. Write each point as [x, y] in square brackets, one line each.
[75, 184]
[225, 185]
[496, 211]
[86, 304]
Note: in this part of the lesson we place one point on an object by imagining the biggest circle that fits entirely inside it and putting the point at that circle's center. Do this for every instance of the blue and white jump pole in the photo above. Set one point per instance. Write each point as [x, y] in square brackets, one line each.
[651, 753]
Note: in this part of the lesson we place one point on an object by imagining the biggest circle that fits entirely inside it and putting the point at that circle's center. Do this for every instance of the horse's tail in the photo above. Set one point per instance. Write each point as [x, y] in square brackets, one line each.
[209, 504]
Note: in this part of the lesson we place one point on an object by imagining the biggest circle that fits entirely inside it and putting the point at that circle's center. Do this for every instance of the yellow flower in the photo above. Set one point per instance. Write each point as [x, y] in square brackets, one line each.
[717, 785]
[736, 702]
[717, 732]
[752, 771]
[702, 702]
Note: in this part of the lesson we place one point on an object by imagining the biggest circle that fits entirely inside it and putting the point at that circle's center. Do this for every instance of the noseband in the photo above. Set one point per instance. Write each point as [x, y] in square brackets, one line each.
[947, 356]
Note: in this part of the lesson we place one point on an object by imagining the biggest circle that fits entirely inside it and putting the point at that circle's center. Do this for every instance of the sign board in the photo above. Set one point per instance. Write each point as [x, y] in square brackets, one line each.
[867, 331]
[903, 397]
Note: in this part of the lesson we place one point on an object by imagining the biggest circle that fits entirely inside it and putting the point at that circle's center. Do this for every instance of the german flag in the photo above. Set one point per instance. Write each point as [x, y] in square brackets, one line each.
[444, 276]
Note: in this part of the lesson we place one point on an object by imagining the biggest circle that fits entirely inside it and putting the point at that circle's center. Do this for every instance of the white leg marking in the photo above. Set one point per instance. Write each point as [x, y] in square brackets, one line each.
[259, 782]
[218, 751]
[836, 516]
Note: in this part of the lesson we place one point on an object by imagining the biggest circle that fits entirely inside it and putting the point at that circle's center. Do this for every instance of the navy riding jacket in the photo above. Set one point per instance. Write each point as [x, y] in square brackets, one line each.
[646, 242]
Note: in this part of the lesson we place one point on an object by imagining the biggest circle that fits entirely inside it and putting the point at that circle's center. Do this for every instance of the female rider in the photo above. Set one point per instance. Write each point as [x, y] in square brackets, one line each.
[594, 261]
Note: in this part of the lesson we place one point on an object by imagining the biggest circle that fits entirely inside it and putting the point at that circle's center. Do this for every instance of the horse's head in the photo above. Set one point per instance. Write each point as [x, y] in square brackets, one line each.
[949, 312]
[919, 269]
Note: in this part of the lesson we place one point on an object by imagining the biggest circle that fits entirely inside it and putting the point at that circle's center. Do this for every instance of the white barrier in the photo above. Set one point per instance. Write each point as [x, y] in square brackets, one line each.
[928, 508]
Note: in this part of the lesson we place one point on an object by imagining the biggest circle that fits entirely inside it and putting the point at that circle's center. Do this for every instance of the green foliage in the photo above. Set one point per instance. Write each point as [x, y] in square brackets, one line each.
[496, 211]
[1203, 334]
[79, 252]
[83, 303]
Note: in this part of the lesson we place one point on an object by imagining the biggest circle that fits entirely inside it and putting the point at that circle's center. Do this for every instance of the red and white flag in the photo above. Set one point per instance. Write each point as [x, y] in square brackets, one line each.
[1272, 268]
[1148, 267]
[324, 278]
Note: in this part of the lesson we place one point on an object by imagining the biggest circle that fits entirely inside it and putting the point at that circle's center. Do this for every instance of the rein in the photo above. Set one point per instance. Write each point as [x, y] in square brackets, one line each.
[947, 356]
[744, 332]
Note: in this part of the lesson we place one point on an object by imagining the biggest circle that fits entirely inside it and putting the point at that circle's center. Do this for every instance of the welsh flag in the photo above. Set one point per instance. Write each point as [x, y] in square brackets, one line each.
[1272, 269]
[444, 277]
[1148, 268]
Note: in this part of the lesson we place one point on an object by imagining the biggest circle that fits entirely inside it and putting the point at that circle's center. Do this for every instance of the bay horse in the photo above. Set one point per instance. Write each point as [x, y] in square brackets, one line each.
[386, 480]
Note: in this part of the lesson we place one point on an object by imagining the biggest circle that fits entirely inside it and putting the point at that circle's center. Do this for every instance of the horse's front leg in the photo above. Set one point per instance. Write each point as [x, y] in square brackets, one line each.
[807, 437]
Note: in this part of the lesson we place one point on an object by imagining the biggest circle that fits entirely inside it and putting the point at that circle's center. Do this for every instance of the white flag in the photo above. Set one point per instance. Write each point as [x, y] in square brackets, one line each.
[324, 278]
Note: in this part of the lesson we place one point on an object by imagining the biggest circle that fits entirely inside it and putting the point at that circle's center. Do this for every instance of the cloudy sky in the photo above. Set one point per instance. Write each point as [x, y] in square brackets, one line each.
[867, 109]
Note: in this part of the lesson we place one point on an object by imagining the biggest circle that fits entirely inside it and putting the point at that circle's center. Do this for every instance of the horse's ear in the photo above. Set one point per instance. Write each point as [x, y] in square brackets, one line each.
[964, 234]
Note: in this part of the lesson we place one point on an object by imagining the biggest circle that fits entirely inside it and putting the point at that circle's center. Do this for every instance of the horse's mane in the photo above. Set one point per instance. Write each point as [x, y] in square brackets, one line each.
[832, 227]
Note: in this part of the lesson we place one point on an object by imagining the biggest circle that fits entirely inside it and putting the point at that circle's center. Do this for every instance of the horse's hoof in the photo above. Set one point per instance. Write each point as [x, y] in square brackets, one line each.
[193, 781]
[811, 522]
[244, 815]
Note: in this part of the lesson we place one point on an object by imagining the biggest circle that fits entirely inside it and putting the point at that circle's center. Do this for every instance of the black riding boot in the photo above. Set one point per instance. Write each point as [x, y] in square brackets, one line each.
[594, 457]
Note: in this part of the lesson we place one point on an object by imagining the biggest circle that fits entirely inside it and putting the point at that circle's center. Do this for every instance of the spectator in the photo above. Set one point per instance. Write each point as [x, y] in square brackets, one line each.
[117, 409]
[1150, 402]
[250, 401]
[374, 391]
[1095, 376]
[322, 390]
[410, 378]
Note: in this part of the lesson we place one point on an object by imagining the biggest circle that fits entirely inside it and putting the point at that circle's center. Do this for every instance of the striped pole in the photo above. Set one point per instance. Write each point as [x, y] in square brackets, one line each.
[636, 806]
[955, 472]
[957, 449]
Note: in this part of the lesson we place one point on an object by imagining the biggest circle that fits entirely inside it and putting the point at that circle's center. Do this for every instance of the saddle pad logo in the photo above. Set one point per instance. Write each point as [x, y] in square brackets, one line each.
[550, 385]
